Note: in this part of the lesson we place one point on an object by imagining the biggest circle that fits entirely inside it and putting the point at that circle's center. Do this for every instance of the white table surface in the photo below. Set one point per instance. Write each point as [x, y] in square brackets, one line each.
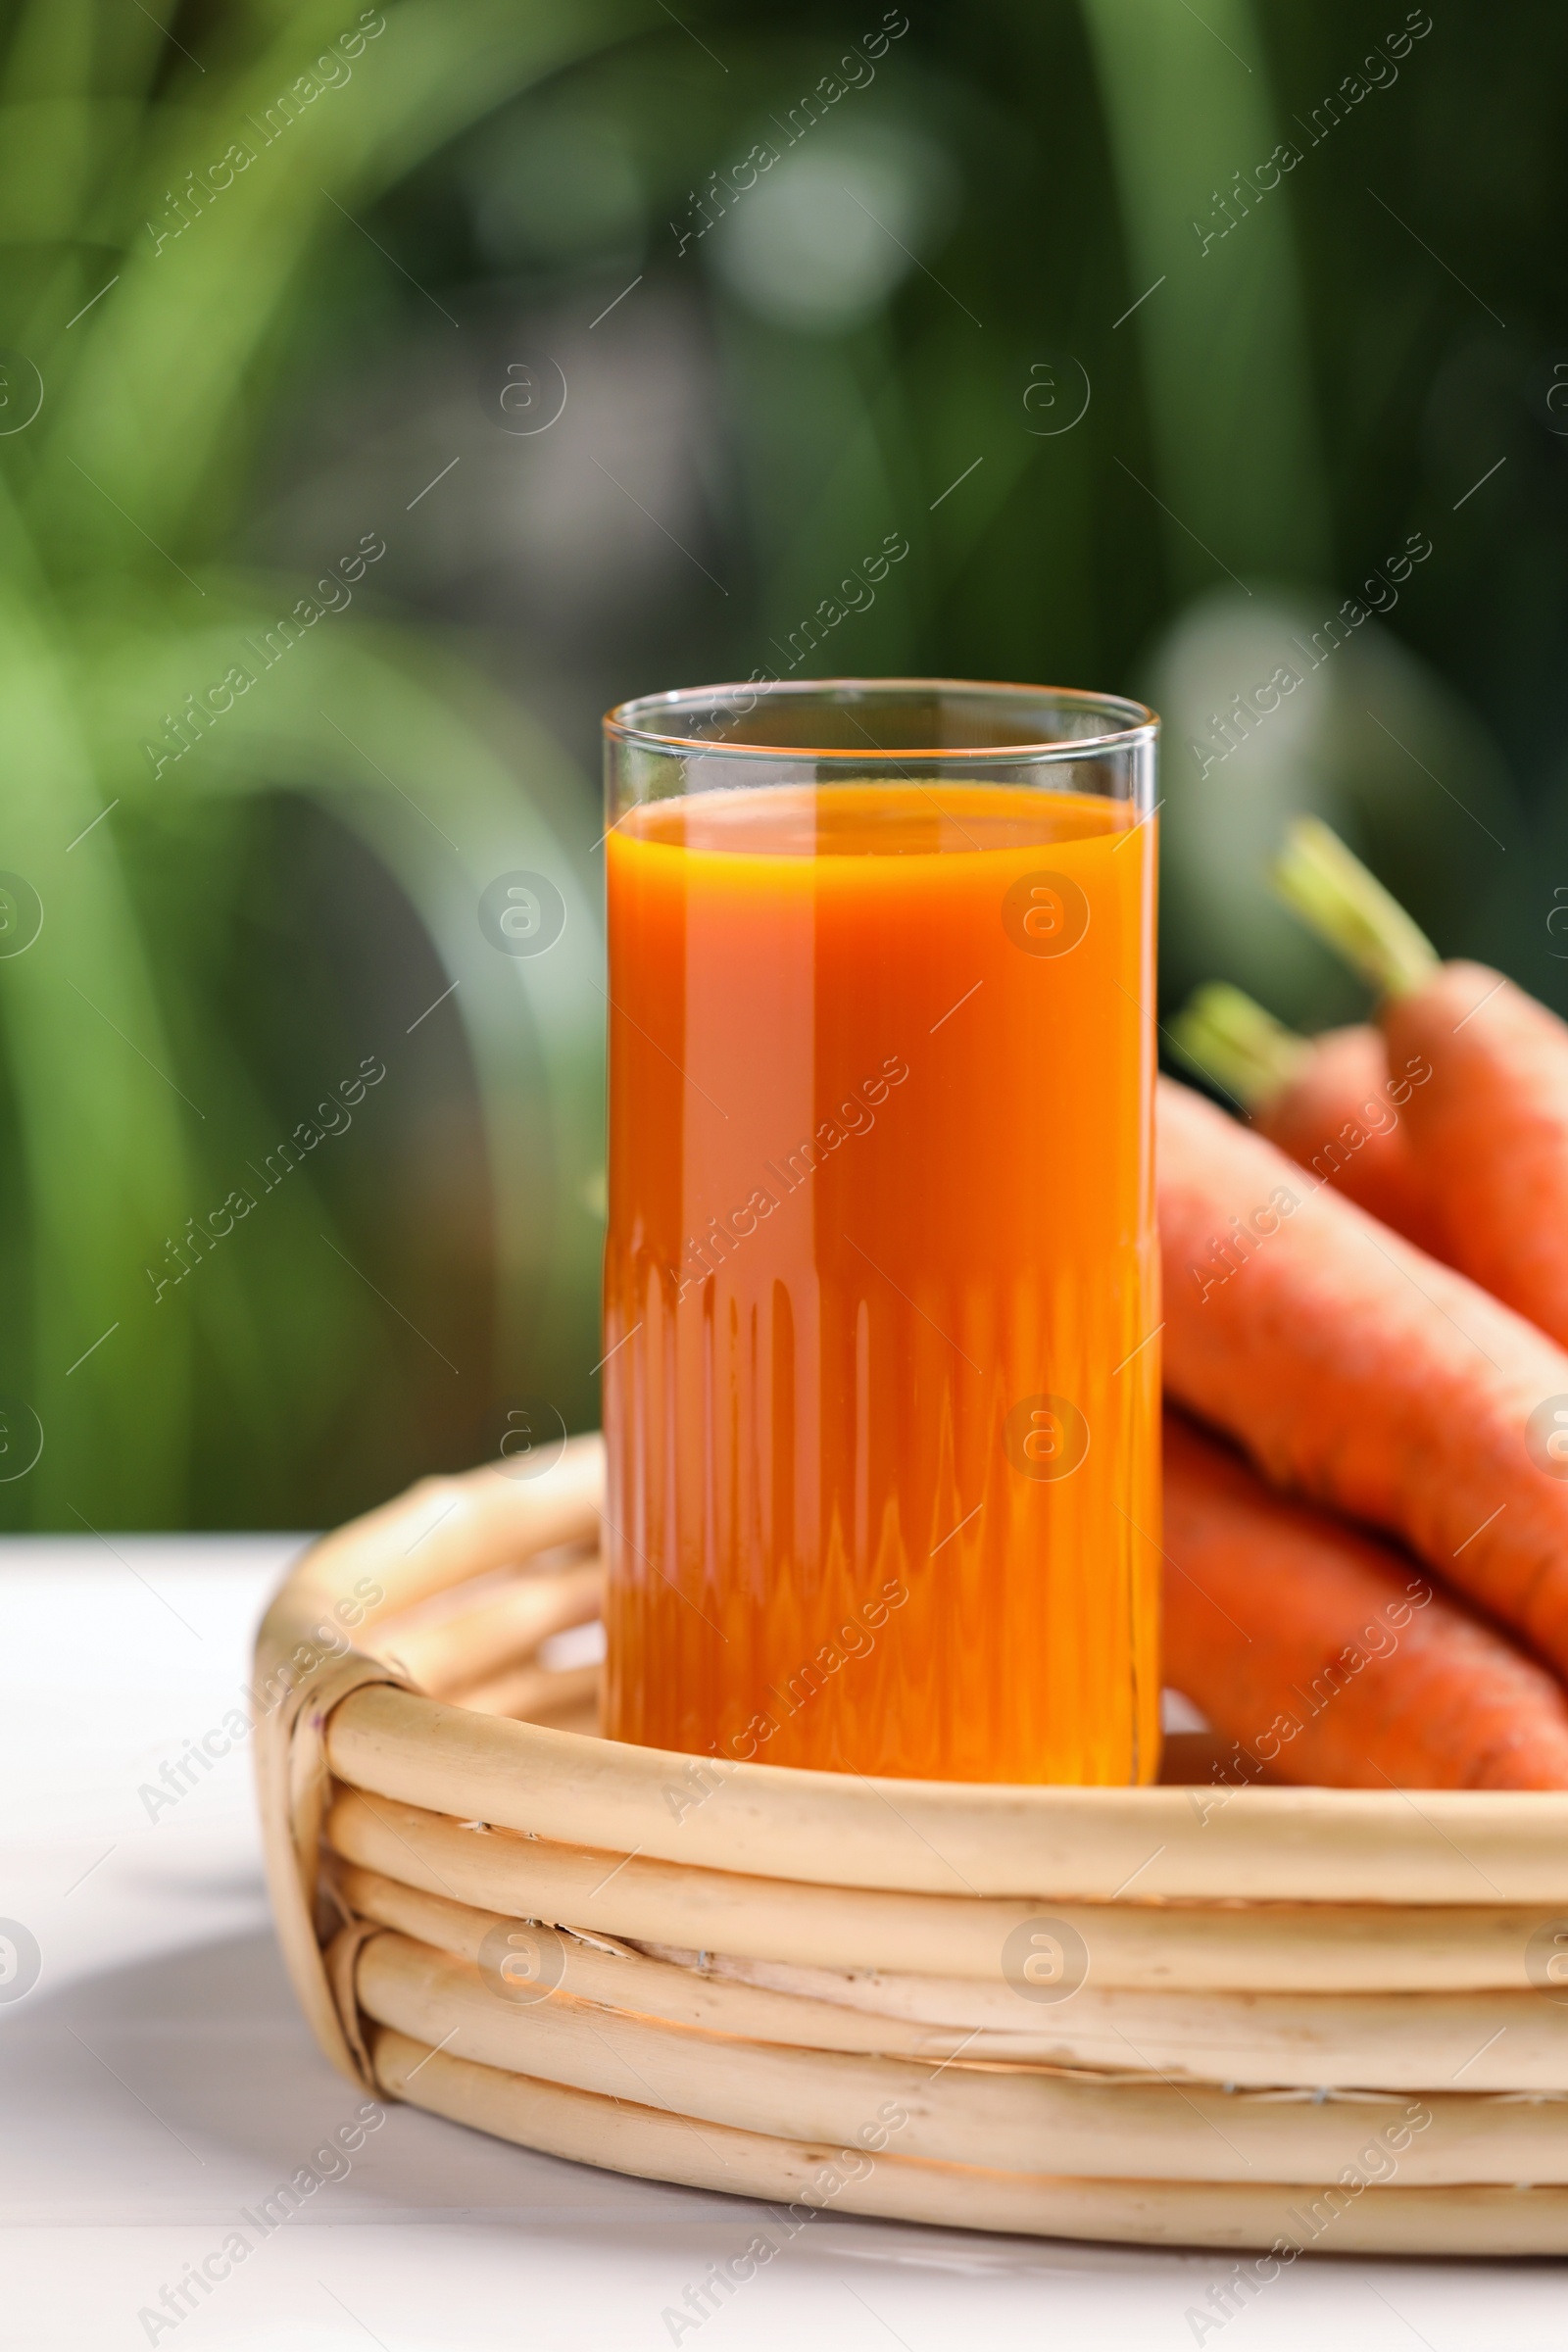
[157, 2078]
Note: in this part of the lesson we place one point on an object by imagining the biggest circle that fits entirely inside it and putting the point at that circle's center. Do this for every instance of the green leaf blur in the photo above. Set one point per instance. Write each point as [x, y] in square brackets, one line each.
[243, 1281]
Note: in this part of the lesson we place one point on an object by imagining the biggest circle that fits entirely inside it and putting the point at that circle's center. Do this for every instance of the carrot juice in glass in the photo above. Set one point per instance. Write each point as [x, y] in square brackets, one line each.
[881, 1342]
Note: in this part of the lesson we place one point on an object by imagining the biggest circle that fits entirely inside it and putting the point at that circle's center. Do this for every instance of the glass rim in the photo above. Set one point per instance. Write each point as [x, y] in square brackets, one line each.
[628, 722]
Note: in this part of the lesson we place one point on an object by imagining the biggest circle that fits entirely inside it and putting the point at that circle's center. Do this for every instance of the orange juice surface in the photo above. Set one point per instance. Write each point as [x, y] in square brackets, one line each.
[882, 1377]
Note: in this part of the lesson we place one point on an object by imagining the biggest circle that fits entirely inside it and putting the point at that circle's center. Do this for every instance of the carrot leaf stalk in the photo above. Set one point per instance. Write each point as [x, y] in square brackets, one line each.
[1328, 887]
[1226, 1037]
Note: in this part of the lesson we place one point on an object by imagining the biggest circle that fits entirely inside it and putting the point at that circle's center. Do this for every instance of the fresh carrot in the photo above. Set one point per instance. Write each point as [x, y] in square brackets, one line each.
[1327, 1657]
[1331, 1100]
[1358, 1371]
[1489, 1129]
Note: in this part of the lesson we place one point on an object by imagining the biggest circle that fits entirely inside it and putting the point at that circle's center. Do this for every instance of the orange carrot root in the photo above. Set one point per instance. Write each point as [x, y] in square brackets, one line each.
[1489, 1130]
[1327, 1657]
[1343, 1114]
[1359, 1372]
[1330, 1101]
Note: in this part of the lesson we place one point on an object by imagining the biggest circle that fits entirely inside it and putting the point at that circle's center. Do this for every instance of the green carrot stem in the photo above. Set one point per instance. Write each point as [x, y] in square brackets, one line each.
[1229, 1039]
[1331, 890]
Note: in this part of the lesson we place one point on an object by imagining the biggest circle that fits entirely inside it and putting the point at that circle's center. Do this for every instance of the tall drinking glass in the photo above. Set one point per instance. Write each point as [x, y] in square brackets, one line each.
[881, 1291]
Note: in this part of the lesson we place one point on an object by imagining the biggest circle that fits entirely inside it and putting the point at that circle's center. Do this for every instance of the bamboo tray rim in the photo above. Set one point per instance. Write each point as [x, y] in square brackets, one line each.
[836, 1827]
[1304, 1801]
[1448, 1848]
[478, 1512]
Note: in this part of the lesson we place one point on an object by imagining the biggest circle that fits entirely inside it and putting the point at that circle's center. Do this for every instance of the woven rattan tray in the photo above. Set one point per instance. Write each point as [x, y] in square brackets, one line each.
[1232, 2017]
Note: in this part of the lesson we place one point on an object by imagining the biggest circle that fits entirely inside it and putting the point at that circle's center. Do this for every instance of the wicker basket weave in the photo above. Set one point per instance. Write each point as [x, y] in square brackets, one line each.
[1243, 2018]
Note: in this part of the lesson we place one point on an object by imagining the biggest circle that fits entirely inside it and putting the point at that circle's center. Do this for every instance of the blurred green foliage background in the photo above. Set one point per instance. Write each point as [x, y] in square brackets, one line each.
[447, 370]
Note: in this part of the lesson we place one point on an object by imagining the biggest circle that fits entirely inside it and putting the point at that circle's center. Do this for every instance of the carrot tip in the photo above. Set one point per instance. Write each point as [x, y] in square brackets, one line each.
[1328, 887]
